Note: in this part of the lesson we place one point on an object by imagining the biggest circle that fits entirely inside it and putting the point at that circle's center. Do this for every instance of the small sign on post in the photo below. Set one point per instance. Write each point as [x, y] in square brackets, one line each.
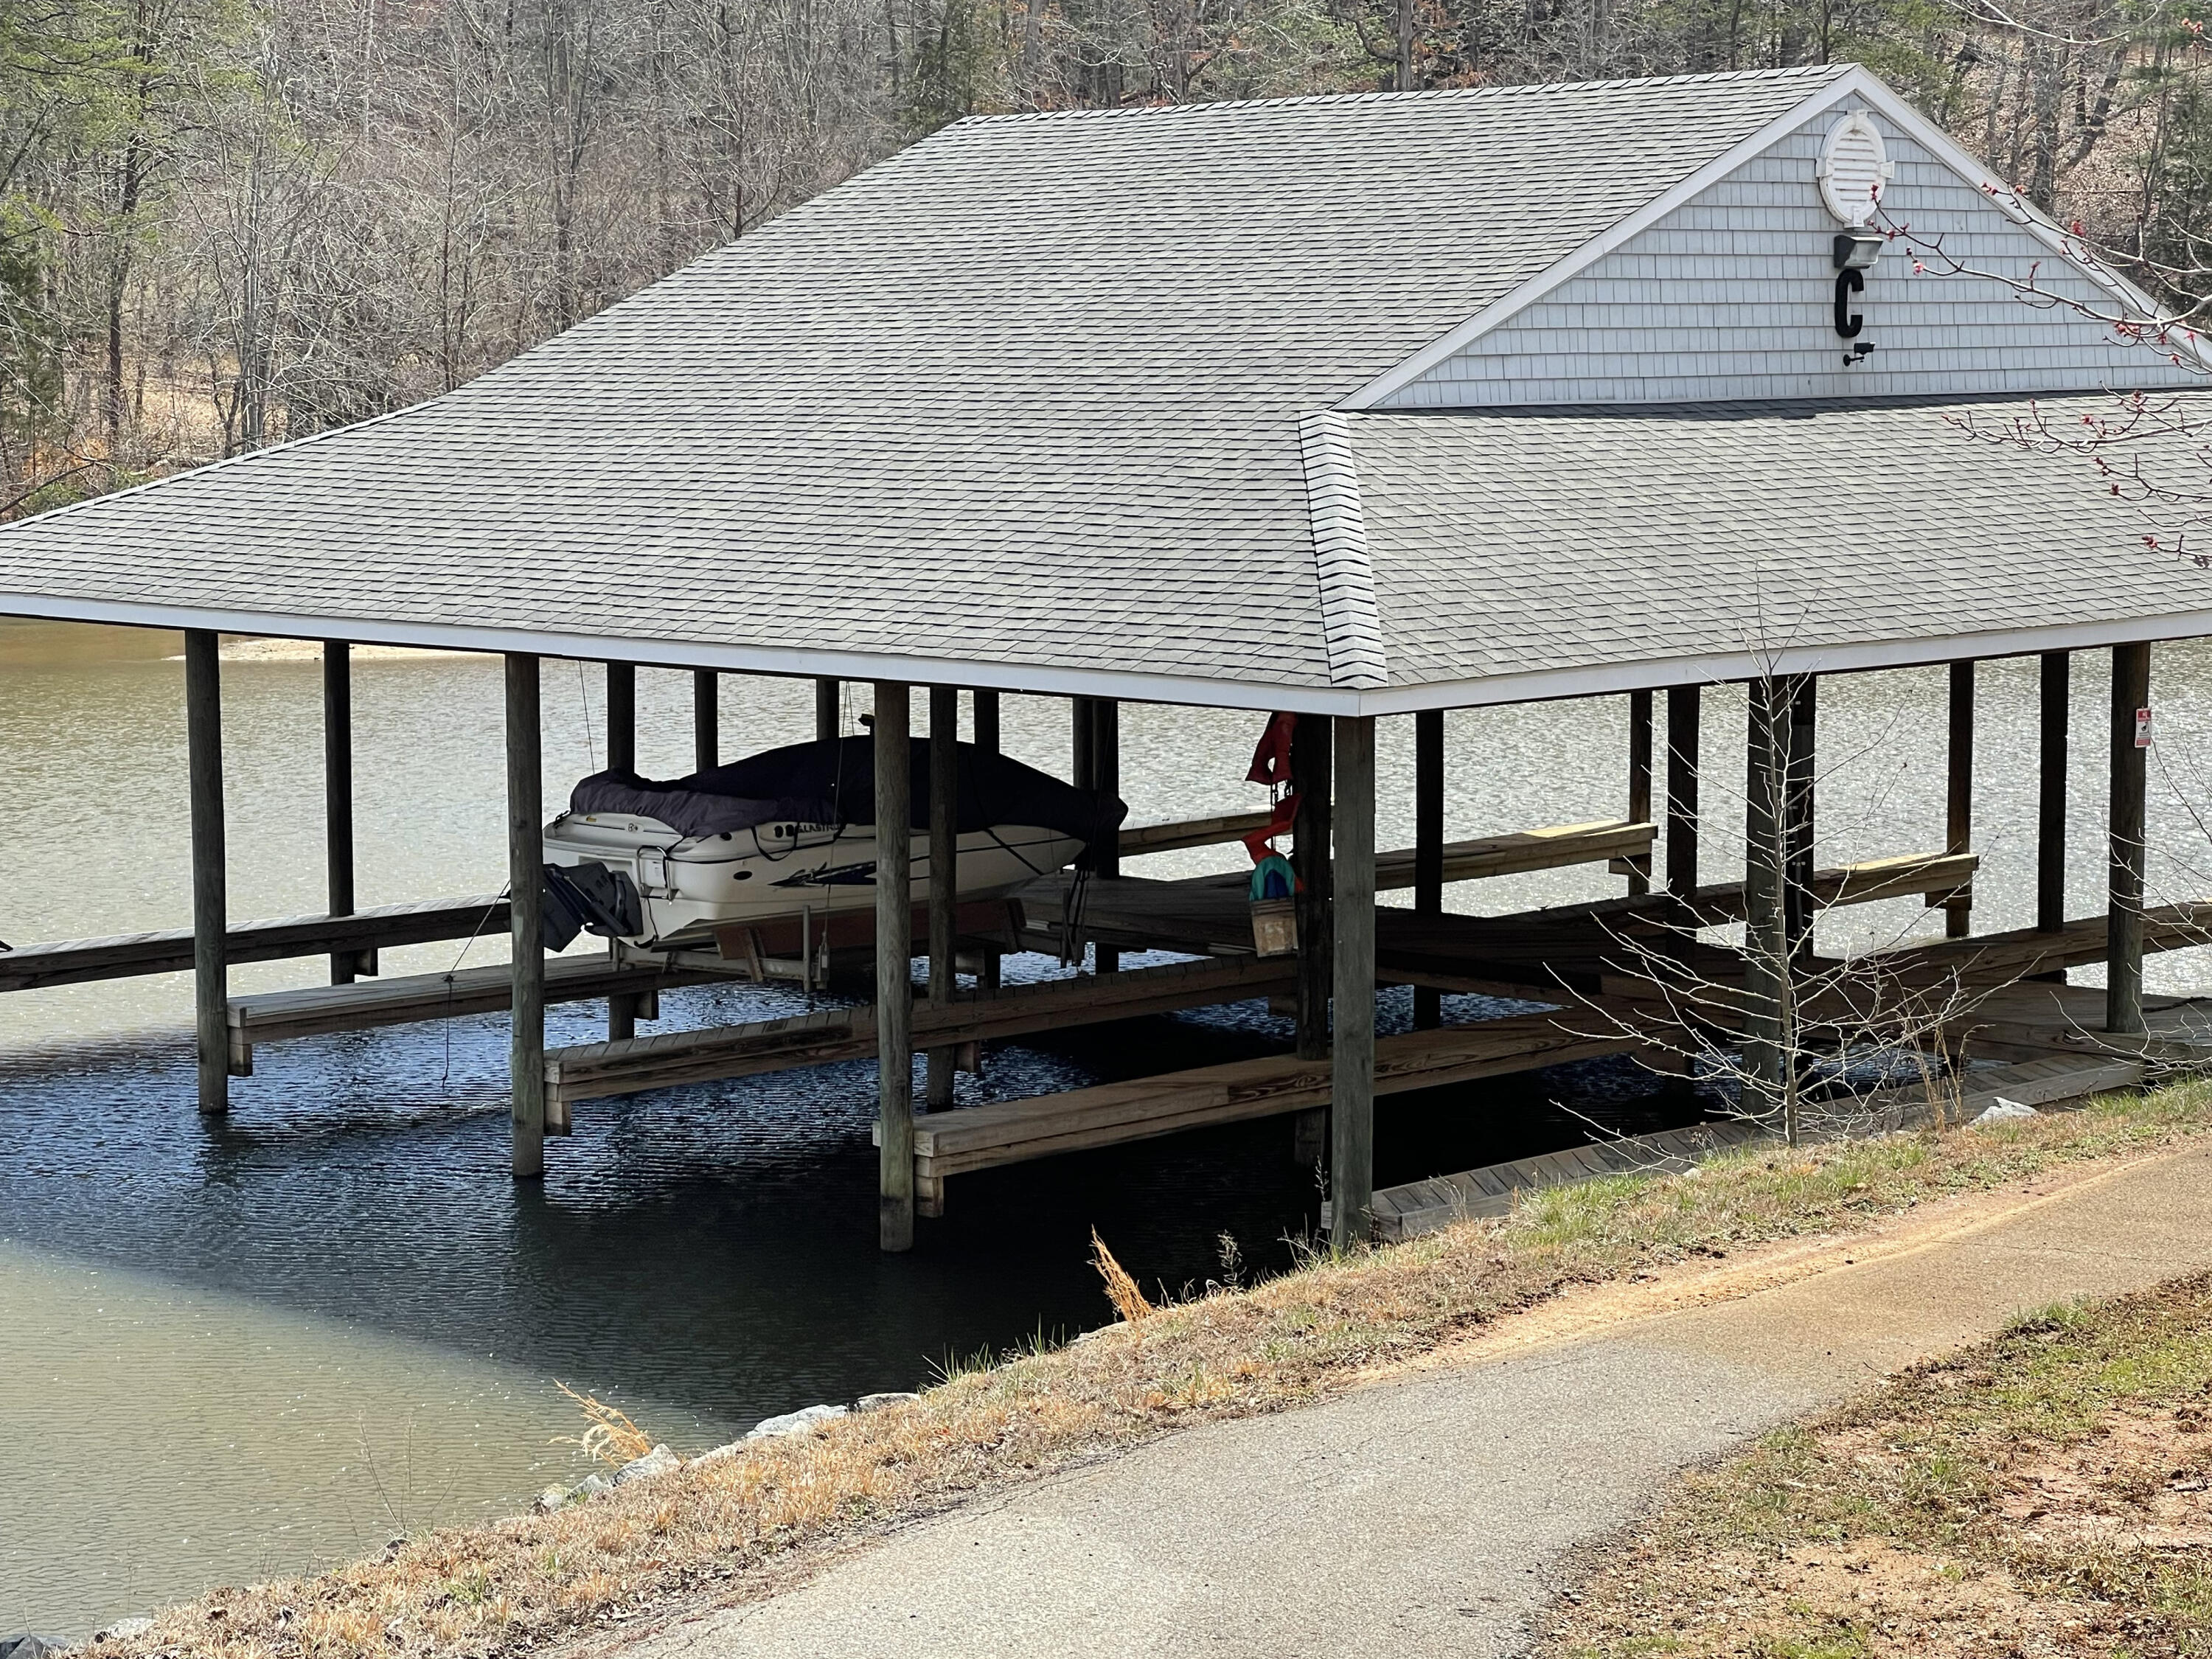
[2142, 728]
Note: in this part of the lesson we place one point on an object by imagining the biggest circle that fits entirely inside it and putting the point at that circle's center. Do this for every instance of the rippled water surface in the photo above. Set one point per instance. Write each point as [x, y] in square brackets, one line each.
[239, 1348]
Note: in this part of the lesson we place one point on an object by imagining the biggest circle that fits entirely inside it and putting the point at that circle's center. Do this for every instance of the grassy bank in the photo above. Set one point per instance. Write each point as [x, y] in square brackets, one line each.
[717, 1529]
[2049, 1492]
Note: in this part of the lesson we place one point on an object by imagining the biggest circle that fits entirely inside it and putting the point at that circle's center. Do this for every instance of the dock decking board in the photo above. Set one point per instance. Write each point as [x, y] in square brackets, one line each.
[591, 1070]
[1016, 1131]
[77, 962]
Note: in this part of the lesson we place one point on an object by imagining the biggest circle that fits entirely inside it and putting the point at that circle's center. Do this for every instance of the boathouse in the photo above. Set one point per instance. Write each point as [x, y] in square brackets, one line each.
[1354, 408]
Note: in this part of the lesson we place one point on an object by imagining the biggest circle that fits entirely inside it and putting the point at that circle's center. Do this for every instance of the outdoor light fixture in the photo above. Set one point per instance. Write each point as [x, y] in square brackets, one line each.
[1858, 250]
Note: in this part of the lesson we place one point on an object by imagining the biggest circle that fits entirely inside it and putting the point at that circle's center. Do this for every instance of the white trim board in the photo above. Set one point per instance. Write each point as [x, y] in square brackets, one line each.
[1537, 686]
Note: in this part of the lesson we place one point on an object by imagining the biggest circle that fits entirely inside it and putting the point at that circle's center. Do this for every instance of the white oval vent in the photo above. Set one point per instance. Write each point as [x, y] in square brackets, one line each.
[1854, 170]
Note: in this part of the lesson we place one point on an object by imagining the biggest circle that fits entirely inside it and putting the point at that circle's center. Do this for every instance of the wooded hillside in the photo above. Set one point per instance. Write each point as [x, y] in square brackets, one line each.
[226, 222]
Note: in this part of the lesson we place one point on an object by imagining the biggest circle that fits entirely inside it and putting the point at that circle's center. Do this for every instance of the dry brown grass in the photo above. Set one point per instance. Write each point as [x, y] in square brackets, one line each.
[611, 1438]
[712, 1529]
[1121, 1290]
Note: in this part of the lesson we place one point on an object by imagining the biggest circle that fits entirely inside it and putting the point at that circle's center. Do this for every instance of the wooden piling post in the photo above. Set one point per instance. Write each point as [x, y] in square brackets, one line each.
[1428, 844]
[943, 873]
[1683, 719]
[1311, 755]
[525, 878]
[1639, 783]
[337, 794]
[1766, 769]
[211, 871]
[1106, 779]
[2124, 938]
[622, 757]
[706, 719]
[1351, 1070]
[986, 717]
[1799, 785]
[829, 717]
[2057, 710]
[1959, 802]
[894, 950]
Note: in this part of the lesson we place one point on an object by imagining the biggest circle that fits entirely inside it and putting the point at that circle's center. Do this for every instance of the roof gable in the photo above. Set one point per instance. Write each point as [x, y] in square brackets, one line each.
[1724, 290]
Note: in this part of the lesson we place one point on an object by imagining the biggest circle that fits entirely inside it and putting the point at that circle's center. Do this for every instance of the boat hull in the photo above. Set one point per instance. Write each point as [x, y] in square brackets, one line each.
[687, 886]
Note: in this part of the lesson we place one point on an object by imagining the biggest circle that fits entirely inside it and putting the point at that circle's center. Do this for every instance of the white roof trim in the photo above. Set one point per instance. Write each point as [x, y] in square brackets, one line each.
[1858, 84]
[1351, 626]
[1541, 686]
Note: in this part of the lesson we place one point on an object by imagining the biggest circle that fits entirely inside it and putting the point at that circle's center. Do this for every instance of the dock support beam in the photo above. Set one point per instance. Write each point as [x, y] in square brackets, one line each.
[893, 953]
[1799, 785]
[1959, 808]
[210, 886]
[2051, 798]
[1684, 713]
[706, 719]
[1429, 843]
[987, 742]
[337, 794]
[525, 877]
[1766, 940]
[944, 870]
[622, 757]
[2123, 949]
[828, 715]
[1351, 1070]
[1639, 784]
[1106, 779]
[1310, 756]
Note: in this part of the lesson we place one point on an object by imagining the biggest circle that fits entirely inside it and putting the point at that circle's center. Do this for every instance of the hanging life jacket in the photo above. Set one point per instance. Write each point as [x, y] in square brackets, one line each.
[1273, 878]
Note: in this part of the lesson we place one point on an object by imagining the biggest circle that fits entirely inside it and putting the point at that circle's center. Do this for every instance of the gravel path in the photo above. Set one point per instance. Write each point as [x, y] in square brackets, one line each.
[1432, 1516]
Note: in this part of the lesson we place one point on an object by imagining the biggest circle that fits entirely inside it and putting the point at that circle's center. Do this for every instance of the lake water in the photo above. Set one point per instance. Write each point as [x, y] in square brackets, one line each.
[243, 1347]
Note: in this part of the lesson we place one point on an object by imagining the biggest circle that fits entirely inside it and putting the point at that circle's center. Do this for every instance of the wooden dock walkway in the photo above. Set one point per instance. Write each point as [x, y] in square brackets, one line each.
[947, 1144]
[77, 962]
[321, 1010]
[594, 1070]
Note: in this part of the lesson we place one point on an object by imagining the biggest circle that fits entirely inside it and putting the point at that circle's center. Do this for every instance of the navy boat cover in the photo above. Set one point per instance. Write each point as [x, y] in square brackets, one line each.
[833, 780]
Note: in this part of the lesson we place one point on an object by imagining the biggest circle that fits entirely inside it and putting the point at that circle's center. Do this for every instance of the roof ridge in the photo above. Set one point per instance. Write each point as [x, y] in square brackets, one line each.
[1216, 107]
[1350, 622]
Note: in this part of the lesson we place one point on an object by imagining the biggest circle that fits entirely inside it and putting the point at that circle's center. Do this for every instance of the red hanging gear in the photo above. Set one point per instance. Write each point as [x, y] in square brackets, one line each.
[1270, 761]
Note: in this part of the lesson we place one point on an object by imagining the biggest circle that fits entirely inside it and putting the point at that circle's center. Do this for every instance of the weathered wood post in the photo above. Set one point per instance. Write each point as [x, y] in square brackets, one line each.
[943, 872]
[2050, 799]
[1083, 733]
[1106, 779]
[1800, 784]
[1639, 784]
[1684, 718]
[1764, 955]
[1958, 803]
[985, 714]
[1311, 746]
[827, 716]
[526, 881]
[2123, 936]
[706, 719]
[622, 757]
[210, 872]
[337, 794]
[1351, 1069]
[1428, 844]
[894, 762]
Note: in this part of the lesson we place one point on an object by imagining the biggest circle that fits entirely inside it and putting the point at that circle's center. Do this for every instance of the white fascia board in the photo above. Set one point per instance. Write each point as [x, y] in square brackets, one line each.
[1721, 668]
[1573, 265]
[1189, 690]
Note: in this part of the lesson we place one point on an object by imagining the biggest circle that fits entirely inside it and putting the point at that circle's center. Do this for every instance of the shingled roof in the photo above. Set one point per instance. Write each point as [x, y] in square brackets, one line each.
[1042, 402]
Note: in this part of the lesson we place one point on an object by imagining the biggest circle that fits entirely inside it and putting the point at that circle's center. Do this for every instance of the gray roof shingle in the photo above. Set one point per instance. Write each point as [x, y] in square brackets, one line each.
[1029, 394]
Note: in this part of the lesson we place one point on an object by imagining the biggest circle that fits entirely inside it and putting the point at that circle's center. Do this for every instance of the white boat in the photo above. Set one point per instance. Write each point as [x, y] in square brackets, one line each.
[790, 834]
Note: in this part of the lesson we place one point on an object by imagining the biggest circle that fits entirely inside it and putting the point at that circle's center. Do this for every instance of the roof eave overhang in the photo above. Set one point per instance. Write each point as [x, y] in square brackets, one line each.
[1540, 685]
